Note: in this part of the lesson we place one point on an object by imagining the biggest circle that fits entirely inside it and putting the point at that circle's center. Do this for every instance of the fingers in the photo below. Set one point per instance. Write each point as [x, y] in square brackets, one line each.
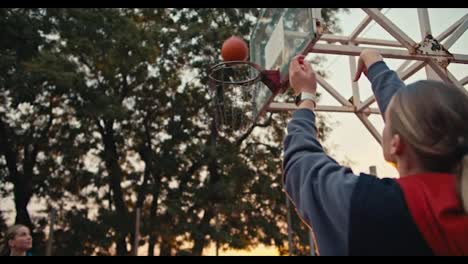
[299, 64]
[301, 75]
[360, 69]
[366, 59]
[307, 67]
[301, 61]
[296, 63]
[301, 58]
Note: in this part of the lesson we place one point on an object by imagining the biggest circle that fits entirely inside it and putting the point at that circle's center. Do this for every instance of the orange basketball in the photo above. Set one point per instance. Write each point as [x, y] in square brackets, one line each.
[234, 49]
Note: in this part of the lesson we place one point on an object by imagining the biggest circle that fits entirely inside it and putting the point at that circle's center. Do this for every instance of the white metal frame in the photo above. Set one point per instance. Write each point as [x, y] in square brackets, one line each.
[435, 63]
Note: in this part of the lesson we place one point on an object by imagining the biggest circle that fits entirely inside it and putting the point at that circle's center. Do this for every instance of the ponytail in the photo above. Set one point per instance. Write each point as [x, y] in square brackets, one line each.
[4, 248]
[463, 183]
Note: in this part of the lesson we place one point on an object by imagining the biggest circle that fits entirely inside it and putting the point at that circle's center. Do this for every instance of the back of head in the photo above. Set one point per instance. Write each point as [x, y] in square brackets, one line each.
[9, 235]
[432, 117]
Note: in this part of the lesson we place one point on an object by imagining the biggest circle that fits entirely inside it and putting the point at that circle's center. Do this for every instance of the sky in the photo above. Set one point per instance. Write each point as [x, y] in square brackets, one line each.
[349, 139]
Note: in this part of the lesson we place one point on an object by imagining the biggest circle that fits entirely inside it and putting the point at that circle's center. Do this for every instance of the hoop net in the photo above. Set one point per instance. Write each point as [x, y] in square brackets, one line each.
[232, 91]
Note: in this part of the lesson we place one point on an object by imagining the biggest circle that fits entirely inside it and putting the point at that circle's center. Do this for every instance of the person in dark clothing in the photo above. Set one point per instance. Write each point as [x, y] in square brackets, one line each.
[425, 210]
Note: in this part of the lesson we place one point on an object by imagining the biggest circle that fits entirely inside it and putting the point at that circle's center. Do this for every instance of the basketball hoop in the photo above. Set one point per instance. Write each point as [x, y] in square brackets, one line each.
[232, 86]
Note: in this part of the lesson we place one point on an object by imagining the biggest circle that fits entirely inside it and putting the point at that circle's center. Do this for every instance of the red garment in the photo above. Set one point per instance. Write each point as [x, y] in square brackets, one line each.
[432, 201]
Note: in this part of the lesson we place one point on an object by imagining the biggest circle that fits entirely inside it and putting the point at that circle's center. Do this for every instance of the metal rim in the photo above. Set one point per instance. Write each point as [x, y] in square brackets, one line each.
[223, 65]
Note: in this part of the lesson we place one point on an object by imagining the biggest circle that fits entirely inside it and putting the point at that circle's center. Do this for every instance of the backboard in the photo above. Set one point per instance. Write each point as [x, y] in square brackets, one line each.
[282, 33]
[279, 35]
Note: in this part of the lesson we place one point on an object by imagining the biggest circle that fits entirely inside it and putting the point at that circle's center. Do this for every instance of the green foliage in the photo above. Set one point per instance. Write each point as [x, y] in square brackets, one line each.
[120, 117]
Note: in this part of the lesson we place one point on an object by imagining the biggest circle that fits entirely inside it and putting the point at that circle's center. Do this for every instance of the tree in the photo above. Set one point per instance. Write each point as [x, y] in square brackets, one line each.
[238, 173]
[126, 127]
[25, 110]
[115, 50]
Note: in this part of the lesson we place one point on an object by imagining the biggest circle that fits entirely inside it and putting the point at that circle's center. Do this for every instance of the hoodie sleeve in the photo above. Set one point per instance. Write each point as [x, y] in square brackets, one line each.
[317, 185]
[385, 83]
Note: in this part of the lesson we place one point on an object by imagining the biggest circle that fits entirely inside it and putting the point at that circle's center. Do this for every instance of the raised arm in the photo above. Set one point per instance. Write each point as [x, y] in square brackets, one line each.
[318, 186]
[385, 82]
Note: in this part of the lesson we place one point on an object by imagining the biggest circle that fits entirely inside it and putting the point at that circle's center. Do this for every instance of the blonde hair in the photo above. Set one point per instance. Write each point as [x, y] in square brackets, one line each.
[9, 235]
[432, 117]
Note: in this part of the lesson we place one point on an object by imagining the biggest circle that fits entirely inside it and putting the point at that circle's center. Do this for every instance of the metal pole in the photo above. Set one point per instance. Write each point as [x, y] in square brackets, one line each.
[464, 81]
[456, 34]
[288, 207]
[361, 27]
[356, 97]
[217, 230]
[374, 132]
[50, 241]
[425, 28]
[424, 23]
[136, 242]
[391, 28]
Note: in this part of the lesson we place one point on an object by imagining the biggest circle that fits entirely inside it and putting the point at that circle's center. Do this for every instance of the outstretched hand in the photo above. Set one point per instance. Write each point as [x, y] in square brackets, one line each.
[361, 68]
[301, 76]
[366, 59]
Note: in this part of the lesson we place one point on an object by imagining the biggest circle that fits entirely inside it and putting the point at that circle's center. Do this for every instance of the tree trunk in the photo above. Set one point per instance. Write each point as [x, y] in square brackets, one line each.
[146, 154]
[152, 219]
[22, 184]
[200, 241]
[111, 159]
[21, 203]
[151, 169]
[151, 244]
[166, 248]
[29, 161]
[121, 244]
[142, 191]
